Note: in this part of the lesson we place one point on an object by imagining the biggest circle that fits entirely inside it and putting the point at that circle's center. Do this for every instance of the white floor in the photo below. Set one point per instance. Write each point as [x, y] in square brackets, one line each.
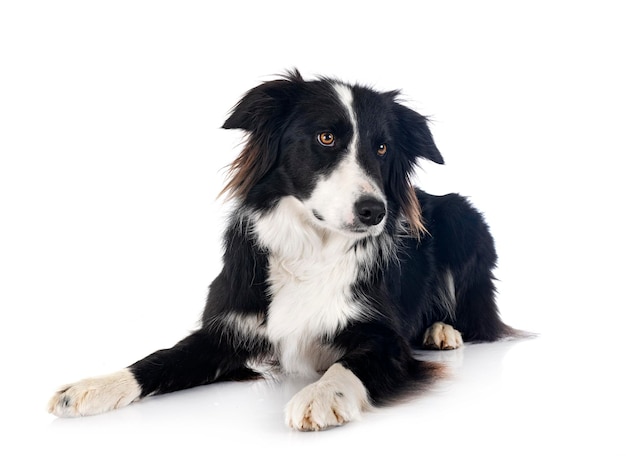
[539, 396]
[111, 156]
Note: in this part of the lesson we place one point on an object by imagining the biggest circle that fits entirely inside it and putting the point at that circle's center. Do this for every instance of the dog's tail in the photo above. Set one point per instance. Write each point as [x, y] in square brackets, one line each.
[417, 376]
[510, 333]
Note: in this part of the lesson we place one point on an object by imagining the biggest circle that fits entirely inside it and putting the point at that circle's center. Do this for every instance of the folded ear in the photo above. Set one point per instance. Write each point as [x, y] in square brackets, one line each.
[266, 104]
[415, 136]
[414, 140]
[262, 112]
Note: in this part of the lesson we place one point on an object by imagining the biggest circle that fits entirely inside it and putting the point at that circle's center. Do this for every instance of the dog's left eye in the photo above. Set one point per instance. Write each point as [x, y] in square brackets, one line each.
[382, 149]
[326, 139]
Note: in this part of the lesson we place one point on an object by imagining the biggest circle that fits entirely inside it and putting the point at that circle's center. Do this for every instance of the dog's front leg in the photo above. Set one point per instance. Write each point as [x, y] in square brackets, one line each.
[377, 367]
[201, 358]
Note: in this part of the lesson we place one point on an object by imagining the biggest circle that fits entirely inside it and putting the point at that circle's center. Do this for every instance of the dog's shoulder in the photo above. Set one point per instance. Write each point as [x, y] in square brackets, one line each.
[456, 228]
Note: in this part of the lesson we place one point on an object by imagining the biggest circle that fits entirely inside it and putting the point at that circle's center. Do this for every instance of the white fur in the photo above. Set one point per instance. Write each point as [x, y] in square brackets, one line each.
[334, 195]
[447, 294]
[345, 96]
[443, 337]
[336, 398]
[311, 272]
[449, 280]
[95, 395]
[241, 324]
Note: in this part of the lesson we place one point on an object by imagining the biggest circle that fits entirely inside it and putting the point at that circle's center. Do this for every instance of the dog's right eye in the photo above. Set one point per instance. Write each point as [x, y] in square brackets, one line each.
[326, 139]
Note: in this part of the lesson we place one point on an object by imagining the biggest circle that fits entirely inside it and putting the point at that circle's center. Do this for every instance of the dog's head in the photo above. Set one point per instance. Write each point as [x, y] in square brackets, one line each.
[346, 152]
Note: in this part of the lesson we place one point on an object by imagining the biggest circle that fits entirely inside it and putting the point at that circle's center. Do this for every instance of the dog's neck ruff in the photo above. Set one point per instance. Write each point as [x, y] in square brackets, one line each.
[311, 278]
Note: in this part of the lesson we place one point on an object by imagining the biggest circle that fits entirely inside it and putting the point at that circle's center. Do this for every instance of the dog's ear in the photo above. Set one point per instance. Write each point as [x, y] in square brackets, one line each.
[416, 138]
[262, 112]
[266, 104]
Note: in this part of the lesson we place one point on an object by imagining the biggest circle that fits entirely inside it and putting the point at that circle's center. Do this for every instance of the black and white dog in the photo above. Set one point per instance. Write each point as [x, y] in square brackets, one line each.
[334, 263]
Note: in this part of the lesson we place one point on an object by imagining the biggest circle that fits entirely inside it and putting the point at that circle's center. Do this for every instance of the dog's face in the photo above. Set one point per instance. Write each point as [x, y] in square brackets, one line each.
[345, 152]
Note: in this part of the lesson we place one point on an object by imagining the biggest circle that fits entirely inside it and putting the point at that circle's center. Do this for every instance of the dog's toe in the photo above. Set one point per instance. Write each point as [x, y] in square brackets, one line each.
[441, 336]
[338, 397]
[95, 395]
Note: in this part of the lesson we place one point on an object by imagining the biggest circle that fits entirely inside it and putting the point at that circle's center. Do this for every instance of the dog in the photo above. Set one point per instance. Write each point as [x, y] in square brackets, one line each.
[334, 263]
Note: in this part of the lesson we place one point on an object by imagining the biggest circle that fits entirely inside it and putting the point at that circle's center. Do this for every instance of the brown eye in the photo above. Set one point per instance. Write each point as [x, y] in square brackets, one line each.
[326, 139]
[382, 149]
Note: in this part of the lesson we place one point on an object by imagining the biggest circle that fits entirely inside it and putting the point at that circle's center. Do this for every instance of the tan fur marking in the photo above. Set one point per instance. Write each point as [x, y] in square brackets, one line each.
[246, 170]
[413, 213]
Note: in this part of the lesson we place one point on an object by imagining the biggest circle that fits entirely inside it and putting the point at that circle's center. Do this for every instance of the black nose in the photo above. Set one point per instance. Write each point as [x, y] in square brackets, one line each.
[371, 211]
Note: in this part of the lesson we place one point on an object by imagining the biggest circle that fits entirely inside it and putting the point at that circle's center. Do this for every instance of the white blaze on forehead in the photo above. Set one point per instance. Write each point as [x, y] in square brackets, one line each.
[345, 96]
[366, 185]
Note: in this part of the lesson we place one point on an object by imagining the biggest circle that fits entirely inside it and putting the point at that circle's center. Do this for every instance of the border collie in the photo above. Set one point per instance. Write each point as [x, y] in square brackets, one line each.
[334, 264]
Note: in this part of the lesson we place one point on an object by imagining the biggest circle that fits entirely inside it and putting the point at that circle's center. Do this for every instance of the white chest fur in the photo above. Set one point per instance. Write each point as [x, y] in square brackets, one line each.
[311, 273]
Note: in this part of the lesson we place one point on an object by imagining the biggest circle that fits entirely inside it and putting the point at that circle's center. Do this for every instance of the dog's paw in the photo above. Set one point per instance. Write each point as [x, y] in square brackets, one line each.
[336, 398]
[442, 337]
[95, 395]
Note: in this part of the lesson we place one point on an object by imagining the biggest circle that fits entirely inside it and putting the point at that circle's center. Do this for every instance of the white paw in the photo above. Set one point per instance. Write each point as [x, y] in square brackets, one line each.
[95, 395]
[336, 398]
[443, 337]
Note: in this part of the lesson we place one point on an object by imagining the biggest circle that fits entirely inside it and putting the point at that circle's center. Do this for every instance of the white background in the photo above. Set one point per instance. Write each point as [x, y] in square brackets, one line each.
[111, 158]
